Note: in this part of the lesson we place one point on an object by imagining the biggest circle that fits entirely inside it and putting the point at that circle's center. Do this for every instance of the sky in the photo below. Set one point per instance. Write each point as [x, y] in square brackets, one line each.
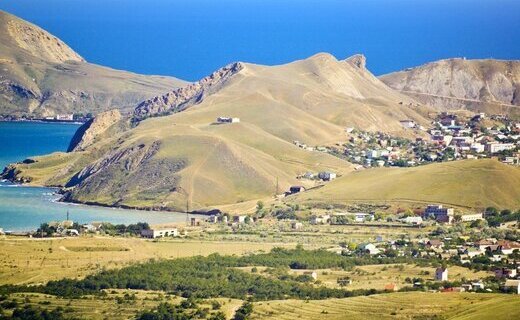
[189, 39]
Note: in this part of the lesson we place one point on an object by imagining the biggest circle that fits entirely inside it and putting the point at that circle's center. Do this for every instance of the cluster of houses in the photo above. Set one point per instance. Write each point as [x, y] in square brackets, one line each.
[470, 138]
[450, 138]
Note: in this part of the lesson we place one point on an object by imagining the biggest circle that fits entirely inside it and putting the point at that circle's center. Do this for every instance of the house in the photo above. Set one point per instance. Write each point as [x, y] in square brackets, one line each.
[471, 217]
[513, 285]
[434, 244]
[362, 217]
[227, 120]
[473, 252]
[296, 189]
[408, 124]
[391, 287]
[312, 274]
[505, 273]
[485, 244]
[413, 220]
[327, 176]
[195, 222]
[441, 274]
[508, 247]
[159, 233]
[320, 219]
[478, 285]
[440, 213]
[64, 117]
[213, 218]
[295, 225]
[239, 219]
[370, 249]
[495, 147]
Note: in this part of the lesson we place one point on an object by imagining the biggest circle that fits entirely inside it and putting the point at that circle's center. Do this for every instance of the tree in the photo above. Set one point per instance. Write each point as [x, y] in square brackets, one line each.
[244, 311]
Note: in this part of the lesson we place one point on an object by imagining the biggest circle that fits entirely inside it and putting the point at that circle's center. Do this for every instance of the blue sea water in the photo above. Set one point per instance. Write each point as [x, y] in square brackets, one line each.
[25, 208]
[191, 38]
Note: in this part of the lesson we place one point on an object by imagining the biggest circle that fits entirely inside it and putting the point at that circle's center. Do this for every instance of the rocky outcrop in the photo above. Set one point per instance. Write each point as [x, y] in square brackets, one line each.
[86, 135]
[358, 60]
[187, 96]
[470, 82]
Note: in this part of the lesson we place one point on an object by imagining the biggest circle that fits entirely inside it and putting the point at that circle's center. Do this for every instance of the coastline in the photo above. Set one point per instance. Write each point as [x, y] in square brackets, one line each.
[59, 190]
[43, 121]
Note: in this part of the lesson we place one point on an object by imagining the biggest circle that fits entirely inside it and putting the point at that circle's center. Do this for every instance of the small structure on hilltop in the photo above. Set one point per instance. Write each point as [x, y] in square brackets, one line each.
[160, 233]
[441, 274]
[227, 120]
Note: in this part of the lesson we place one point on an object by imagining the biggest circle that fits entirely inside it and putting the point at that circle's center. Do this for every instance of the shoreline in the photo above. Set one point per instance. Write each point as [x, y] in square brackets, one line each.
[59, 191]
[44, 121]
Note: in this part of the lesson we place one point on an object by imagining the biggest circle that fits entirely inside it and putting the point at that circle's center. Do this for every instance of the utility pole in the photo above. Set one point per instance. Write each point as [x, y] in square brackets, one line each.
[188, 211]
[68, 215]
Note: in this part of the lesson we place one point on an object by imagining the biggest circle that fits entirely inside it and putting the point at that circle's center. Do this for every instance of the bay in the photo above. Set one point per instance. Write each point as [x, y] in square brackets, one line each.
[24, 208]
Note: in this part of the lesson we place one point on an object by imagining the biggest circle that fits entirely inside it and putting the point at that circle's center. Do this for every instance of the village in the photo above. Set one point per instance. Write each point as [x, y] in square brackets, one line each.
[442, 236]
[451, 137]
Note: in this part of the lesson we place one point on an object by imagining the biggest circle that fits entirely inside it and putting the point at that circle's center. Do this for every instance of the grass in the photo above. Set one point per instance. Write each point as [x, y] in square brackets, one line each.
[411, 305]
[378, 276]
[108, 307]
[32, 261]
[466, 183]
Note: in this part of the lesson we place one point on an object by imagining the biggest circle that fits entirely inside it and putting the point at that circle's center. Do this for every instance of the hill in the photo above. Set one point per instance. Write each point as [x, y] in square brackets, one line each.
[172, 153]
[466, 183]
[41, 76]
[402, 305]
[341, 92]
[486, 85]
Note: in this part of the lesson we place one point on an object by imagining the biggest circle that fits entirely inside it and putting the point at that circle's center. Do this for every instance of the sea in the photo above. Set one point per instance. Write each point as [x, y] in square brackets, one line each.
[24, 208]
[189, 39]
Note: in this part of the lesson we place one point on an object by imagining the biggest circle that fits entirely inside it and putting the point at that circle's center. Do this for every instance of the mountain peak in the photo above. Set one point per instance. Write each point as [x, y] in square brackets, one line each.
[357, 60]
[34, 40]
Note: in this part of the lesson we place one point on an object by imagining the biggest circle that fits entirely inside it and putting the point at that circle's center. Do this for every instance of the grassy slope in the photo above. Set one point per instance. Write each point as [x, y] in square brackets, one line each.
[395, 306]
[467, 183]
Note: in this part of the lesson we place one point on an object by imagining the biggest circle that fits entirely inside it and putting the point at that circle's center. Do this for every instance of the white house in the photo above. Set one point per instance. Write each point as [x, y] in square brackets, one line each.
[159, 233]
[227, 120]
[441, 274]
[327, 176]
[413, 220]
[471, 217]
[362, 217]
[370, 248]
[513, 284]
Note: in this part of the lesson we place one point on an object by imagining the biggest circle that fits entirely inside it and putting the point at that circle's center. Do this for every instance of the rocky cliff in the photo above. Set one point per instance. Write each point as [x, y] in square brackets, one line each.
[461, 83]
[182, 98]
[86, 135]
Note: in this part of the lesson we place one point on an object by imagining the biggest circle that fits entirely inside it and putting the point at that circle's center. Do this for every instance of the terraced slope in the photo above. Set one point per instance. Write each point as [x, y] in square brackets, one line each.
[410, 305]
[40, 75]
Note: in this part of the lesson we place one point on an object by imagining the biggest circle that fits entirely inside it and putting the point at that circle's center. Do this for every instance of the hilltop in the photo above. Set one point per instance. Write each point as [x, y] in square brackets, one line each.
[172, 152]
[485, 85]
[465, 183]
[41, 76]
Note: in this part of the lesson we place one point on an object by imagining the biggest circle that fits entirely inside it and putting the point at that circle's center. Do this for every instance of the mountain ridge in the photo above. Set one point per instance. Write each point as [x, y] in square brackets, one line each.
[42, 76]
